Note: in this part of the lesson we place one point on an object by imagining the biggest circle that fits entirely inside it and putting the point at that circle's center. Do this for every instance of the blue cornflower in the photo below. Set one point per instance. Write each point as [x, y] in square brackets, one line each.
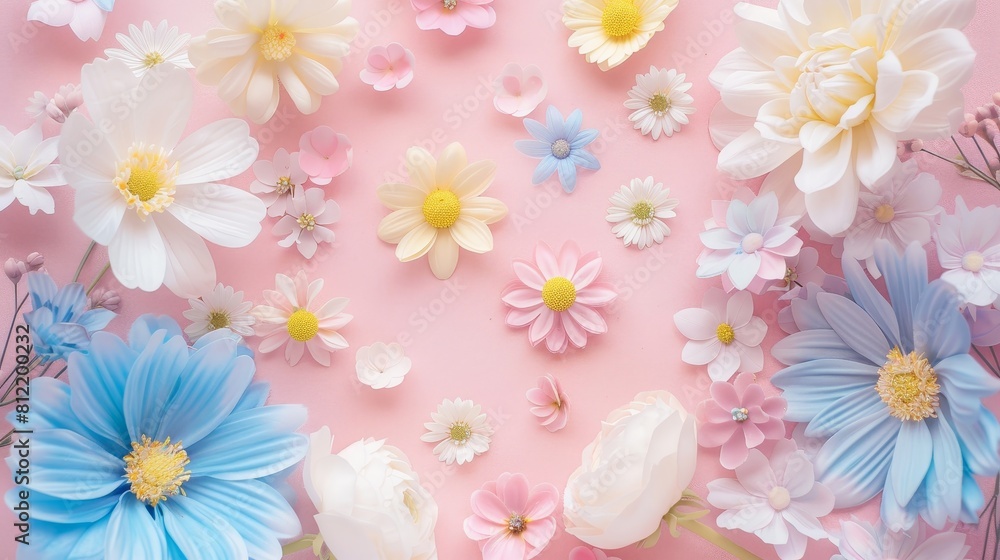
[891, 388]
[159, 451]
[59, 321]
[560, 145]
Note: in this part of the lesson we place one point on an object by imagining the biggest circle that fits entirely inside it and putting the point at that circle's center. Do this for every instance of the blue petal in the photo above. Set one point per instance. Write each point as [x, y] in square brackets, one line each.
[584, 138]
[979, 438]
[585, 159]
[258, 512]
[151, 384]
[66, 465]
[50, 399]
[251, 444]
[545, 169]
[910, 460]
[555, 124]
[533, 148]
[200, 533]
[854, 462]
[144, 327]
[241, 348]
[972, 499]
[70, 302]
[134, 533]
[805, 346]
[843, 412]
[99, 379]
[67, 338]
[811, 386]
[905, 279]
[865, 294]
[964, 383]
[943, 485]
[539, 131]
[95, 319]
[567, 174]
[807, 315]
[898, 517]
[81, 541]
[939, 329]
[855, 327]
[42, 289]
[573, 123]
[106, 5]
[254, 397]
[58, 510]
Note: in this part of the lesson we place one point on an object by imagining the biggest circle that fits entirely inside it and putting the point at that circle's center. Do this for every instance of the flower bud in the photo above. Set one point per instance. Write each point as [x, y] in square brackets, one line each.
[12, 270]
[108, 299]
[34, 261]
[54, 112]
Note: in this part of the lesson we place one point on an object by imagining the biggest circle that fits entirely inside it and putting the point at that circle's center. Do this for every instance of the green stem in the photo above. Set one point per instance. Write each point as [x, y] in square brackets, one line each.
[715, 538]
[83, 261]
[98, 279]
[305, 543]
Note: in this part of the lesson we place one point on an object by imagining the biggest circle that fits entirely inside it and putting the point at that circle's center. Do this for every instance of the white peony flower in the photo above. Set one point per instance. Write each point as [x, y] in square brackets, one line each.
[382, 366]
[822, 90]
[633, 473]
[370, 502]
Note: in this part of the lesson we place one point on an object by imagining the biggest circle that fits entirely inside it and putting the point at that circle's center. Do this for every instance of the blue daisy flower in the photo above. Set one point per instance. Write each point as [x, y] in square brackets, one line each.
[890, 387]
[560, 145]
[59, 321]
[159, 451]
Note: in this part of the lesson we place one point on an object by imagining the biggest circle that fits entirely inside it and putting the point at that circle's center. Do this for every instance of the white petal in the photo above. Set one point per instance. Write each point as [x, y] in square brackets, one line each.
[220, 150]
[137, 254]
[221, 214]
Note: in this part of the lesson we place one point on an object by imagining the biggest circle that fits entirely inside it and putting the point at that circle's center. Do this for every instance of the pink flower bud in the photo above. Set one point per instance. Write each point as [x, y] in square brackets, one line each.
[968, 128]
[982, 113]
[916, 145]
[54, 112]
[34, 261]
[108, 299]
[12, 270]
[996, 98]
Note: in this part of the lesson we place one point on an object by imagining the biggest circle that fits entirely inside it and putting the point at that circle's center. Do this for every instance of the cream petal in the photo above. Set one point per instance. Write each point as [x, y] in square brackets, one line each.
[395, 226]
[750, 155]
[472, 235]
[416, 243]
[485, 209]
[421, 166]
[443, 257]
[824, 167]
[262, 94]
[474, 179]
[397, 196]
[449, 165]
[833, 209]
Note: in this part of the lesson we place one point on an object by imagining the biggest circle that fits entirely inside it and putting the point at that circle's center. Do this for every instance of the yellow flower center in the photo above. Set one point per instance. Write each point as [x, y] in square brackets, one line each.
[155, 469]
[460, 432]
[908, 386]
[620, 18]
[779, 498]
[146, 179]
[441, 209]
[284, 185]
[559, 293]
[450, 4]
[642, 213]
[307, 222]
[725, 333]
[516, 524]
[218, 320]
[303, 325]
[884, 214]
[276, 43]
[791, 277]
[659, 103]
[973, 261]
[152, 59]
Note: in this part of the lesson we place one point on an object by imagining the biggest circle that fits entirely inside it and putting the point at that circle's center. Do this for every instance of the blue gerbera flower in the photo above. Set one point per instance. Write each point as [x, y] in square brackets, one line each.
[891, 388]
[560, 145]
[155, 450]
[59, 321]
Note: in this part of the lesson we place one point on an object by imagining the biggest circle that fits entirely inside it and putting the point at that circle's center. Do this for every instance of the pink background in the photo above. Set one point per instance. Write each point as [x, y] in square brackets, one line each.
[461, 348]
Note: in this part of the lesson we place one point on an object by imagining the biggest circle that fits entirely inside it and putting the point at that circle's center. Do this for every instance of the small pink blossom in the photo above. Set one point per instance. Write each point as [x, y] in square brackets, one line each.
[278, 181]
[519, 91]
[584, 553]
[738, 418]
[453, 16]
[550, 404]
[511, 520]
[723, 334]
[304, 225]
[388, 67]
[325, 154]
[801, 270]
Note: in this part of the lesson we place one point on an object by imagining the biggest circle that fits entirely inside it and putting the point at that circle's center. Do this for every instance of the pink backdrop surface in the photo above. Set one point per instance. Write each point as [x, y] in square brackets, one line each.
[454, 330]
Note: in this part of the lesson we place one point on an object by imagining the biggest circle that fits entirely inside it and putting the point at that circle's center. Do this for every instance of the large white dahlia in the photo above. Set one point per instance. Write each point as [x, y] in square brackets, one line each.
[821, 91]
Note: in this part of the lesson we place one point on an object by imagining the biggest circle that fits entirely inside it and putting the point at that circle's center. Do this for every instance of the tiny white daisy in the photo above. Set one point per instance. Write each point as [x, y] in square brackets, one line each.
[222, 308]
[660, 102]
[638, 211]
[462, 429]
[149, 47]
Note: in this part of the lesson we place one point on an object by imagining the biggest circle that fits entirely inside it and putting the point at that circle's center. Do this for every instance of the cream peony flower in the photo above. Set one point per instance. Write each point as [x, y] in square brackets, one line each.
[442, 210]
[607, 32]
[822, 90]
[370, 502]
[633, 473]
[297, 43]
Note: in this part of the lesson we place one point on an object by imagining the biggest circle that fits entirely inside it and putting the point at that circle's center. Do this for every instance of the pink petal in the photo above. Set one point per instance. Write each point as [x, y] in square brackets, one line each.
[520, 317]
[597, 295]
[504, 547]
[725, 395]
[542, 326]
[576, 333]
[528, 274]
[734, 452]
[716, 434]
[489, 506]
[589, 268]
[589, 319]
[513, 491]
[522, 298]
[569, 260]
[557, 341]
[546, 261]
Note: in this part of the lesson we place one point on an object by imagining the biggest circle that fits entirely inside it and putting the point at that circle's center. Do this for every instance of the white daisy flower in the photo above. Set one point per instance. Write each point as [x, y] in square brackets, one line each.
[222, 308]
[638, 211]
[149, 47]
[462, 429]
[660, 101]
[607, 32]
[382, 366]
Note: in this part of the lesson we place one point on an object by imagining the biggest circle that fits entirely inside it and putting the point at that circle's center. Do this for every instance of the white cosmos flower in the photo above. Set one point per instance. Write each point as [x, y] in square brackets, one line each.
[660, 102]
[151, 197]
[822, 90]
[145, 48]
[638, 211]
[297, 43]
[222, 308]
[26, 169]
[462, 429]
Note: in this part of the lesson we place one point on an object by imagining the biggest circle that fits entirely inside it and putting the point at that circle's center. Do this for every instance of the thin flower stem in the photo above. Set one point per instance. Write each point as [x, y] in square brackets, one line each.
[985, 361]
[964, 165]
[983, 154]
[98, 279]
[996, 361]
[974, 169]
[13, 321]
[46, 369]
[4, 440]
[715, 538]
[83, 261]
[60, 372]
[31, 366]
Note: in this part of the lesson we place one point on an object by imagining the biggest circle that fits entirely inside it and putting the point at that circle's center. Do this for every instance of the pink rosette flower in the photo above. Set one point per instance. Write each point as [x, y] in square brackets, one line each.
[325, 154]
[550, 404]
[277, 181]
[519, 91]
[738, 418]
[453, 16]
[584, 553]
[557, 297]
[388, 67]
[511, 520]
[305, 224]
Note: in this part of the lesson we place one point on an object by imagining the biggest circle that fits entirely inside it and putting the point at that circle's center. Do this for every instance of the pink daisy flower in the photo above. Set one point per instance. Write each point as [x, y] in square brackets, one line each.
[511, 520]
[557, 297]
[305, 223]
[325, 154]
[453, 16]
[277, 181]
[388, 67]
[738, 418]
[549, 403]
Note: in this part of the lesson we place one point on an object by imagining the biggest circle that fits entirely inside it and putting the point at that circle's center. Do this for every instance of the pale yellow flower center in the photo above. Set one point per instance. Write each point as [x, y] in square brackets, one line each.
[884, 213]
[450, 4]
[218, 320]
[516, 524]
[155, 469]
[908, 386]
[973, 261]
[146, 179]
[659, 103]
[152, 59]
[307, 222]
[561, 149]
[303, 325]
[620, 18]
[284, 185]
[276, 43]
[642, 213]
[725, 333]
[791, 277]
[779, 498]
[460, 432]
[442, 209]
[559, 293]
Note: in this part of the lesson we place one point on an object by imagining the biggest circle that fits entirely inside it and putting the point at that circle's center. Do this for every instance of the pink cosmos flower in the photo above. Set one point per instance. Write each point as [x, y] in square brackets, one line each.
[277, 181]
[510, 520]
[557, 297]
[84, 17]
[453, 16]
[519, 90]
[325, 154]
[584, 553]
[550, 404]
[739, 417]
[388, 67]
[303, 226]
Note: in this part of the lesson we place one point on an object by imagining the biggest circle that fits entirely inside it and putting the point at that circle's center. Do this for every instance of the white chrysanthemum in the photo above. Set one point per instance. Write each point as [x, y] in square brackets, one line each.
[638, 211]
[607, 32]
[222, 308]
[297, 43]
[462, 429]
[145, 48]
[660, 102]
